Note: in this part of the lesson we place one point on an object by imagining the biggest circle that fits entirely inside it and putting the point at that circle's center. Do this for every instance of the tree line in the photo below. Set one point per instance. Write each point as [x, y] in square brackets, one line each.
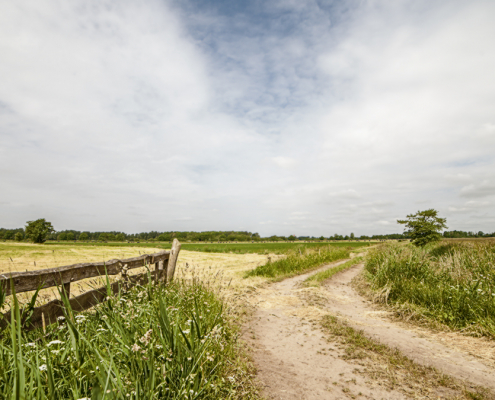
[41, 230]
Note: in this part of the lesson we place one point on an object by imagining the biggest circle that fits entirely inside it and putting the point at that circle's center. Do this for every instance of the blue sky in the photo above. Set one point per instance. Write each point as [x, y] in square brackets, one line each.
[280, 117]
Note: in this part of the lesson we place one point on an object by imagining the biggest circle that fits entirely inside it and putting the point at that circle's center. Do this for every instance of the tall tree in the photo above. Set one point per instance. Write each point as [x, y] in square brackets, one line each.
[424, 227]
[38, 230]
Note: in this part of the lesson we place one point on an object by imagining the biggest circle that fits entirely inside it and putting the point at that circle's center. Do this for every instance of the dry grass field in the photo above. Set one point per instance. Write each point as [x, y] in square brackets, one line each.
[219, 266]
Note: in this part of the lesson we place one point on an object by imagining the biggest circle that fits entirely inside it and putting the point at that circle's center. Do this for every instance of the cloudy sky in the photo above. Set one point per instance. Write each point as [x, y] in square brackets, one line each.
[306, 117]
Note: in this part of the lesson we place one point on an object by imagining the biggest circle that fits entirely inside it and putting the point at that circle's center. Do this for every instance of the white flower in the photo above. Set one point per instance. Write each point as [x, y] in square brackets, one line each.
[55, 342]
[136, 347]
[30, 345]
[80, 316]
[185, 332]
[85, 398]
[61, 318]
[231, 378]
[43, 367]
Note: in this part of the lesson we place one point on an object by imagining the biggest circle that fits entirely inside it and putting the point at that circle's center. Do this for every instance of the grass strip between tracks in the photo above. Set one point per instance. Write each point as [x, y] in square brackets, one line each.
[318, 278]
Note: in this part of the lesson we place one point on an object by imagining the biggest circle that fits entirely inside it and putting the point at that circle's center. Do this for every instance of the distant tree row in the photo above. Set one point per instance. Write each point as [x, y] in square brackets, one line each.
[462, 234]
[21, 234]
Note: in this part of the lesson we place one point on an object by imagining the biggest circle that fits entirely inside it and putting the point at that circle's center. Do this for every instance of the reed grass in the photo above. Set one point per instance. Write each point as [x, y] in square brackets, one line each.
[452, 283]
[298, 262]
[151, 342]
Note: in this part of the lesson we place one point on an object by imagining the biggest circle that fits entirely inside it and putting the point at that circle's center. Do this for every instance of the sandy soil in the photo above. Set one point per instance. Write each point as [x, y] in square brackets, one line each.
[295, 360]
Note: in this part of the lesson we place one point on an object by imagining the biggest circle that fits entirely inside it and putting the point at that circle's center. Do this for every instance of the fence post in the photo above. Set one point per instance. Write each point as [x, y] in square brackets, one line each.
[174, 254]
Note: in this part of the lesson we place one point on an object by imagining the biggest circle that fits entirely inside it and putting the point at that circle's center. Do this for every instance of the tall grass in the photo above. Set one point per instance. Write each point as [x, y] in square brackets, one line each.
[153, 342]
[298, 262]
[453, 283]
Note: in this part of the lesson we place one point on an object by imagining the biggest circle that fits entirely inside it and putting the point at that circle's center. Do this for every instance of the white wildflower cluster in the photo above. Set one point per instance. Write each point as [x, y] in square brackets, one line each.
[146, 337]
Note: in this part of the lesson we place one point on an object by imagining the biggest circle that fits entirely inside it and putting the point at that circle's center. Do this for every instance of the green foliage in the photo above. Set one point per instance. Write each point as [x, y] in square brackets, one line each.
[84, 236]
[154, 342]
[318, 278]
[18, 237]
[120, 237]
[297, 262]
[37, 231]
[424, 227]
[450, 283]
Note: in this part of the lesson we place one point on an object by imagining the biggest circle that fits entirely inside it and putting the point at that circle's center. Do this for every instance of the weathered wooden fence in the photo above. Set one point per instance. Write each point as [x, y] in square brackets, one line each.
[164, 264]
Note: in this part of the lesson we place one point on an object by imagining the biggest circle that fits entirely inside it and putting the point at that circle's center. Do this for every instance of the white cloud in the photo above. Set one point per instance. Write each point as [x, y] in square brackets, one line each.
[357, 114]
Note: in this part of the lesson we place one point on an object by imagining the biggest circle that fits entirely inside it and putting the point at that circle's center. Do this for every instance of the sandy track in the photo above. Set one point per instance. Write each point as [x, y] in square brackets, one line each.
[295, 360]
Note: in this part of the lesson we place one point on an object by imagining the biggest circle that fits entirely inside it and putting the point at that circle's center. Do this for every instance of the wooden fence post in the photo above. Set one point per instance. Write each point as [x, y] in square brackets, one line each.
[174, 254]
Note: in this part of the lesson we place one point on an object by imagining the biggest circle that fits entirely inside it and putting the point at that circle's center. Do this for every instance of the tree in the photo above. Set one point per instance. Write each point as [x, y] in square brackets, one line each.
[424, 227]
[38, 230]
[84, 236]
[62, 236]
[19, 237]
[70, 236]
[352, 236]
[120, 237]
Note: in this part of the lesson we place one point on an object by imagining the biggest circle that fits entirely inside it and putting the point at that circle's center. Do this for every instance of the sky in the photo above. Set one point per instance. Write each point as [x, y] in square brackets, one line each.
[280, 117]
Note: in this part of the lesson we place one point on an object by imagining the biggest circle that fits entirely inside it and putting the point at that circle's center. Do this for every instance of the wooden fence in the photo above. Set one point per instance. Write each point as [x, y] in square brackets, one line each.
[164, 268]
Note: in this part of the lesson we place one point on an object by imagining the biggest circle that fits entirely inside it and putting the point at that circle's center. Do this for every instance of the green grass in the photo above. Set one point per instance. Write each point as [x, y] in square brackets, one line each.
[153, 342]
[298, 262]
[452, 283]
[318, 278]
[239, 248]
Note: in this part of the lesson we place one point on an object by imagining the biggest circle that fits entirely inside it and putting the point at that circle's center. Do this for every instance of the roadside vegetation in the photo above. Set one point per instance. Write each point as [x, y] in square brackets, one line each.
[152, 342]
[452, 283]
[298, 262]
[320, 277]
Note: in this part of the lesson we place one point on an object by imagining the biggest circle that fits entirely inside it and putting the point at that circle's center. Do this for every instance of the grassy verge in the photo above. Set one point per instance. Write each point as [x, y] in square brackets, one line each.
[318, 278]
[299, 262]
[453, 283]
[153, 342]
[393, 369]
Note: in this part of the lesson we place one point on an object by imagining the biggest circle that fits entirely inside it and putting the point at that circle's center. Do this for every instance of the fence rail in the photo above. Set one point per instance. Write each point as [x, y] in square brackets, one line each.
[62, 277]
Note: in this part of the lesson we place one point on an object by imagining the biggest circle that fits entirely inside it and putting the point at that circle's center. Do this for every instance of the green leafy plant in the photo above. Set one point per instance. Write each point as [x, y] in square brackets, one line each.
[424, 227]
[37, 231]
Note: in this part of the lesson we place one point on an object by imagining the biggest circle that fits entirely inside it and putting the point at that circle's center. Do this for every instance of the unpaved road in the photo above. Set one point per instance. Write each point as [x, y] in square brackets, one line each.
[296, 361]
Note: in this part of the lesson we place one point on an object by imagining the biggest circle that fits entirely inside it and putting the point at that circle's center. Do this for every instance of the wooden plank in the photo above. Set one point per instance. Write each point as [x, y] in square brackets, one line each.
[26, 281]
[55, 308]
[172, 261]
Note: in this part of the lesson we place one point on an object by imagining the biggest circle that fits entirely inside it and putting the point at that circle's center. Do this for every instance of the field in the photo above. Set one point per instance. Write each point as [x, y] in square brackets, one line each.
[238, 248]
[449, 282]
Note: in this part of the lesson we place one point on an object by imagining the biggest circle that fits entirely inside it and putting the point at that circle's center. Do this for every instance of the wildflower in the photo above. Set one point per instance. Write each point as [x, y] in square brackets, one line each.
[231, 379]
[136, 347]
[186, 332]
[61, 318]
[30, 345]
[146, 338]
[55, 342]
[43, 367]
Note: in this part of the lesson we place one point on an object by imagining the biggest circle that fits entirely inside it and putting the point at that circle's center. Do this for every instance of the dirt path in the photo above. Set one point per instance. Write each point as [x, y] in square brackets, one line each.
[296, 361]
